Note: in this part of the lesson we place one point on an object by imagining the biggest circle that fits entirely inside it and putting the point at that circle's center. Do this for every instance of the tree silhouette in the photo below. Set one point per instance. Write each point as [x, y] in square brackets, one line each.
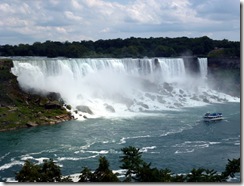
[131, 161]
[136, 171]
[47, 172]
[101, 174]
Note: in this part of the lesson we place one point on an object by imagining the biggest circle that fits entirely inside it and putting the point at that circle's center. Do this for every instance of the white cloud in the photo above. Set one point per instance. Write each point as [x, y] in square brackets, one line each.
[105, 30]
[71, 16]
[145, 11]
[6, 8]
[106, 19]
[76, 4]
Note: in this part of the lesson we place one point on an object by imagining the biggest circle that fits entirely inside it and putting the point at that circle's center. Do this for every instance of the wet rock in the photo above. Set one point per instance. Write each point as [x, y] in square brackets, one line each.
[183, 99]
[178, 105]
[168, 87]
[160, 99]
[195, 98]
[84, 108]
[152, 97]
[52, 122]
[109, 108]
[44, 118]
[43, 101]
[68, 107]
[31, 124]
[53, 105]
[63, 117]
[181, 91]
[143, 105]
[52, 96]
[206, 100]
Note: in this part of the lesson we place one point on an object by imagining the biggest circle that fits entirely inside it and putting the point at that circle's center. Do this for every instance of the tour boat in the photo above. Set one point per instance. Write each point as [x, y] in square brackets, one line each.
[212, 116]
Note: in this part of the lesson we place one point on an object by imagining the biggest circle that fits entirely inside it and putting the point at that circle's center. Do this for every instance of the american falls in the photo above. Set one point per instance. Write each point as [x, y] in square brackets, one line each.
[107, 87]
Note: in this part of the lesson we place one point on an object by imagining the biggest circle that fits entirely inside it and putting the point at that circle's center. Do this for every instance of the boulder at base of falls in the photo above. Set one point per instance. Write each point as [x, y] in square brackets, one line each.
[168, 87]
[206, 100]
[143, 105]
[181, 91]
[109, 108]
[152, 97]
[31, 124]
[53, 96]
[194, 97]
[161, 99]
[84, 108]
[53, 105]
[178, 105]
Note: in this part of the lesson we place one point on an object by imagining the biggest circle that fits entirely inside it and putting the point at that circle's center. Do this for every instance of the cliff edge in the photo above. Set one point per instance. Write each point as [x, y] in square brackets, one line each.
[225, 75]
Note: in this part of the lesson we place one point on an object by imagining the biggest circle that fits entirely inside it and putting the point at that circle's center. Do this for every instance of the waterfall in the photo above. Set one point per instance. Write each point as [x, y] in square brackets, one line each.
[203, 63]
[166, 68]
[172, 68]
[111, 86]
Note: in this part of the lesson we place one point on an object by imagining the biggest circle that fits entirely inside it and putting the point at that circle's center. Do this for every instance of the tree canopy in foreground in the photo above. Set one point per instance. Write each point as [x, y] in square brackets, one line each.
[137, 170]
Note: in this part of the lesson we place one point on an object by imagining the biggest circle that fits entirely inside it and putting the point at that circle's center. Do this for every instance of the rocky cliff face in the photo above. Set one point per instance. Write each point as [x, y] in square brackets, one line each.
[223, 63]
[191, 64]
[224, 74]
[19, 109]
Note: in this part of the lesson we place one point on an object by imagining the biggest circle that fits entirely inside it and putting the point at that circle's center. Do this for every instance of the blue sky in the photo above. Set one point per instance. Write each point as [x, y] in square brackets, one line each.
[28, 21]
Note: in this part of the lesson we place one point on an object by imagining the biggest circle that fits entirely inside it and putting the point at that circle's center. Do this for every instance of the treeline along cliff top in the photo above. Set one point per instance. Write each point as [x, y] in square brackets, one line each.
[130, 47]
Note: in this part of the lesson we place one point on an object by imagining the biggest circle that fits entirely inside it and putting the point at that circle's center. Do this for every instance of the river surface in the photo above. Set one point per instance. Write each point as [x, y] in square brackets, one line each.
[178, 140]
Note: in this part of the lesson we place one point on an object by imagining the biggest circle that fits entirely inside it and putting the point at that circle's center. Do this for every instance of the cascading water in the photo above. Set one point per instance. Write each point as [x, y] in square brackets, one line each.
[116, 87]
[203, 63]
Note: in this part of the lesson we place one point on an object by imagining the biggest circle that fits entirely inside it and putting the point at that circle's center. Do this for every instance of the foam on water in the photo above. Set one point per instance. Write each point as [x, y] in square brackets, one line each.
[146, 149]
[123, 140]
[11, 164]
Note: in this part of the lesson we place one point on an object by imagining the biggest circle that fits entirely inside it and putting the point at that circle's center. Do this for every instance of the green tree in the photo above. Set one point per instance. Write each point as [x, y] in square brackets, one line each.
[164, 51]
[232, 167]
[86, 175]
[50, 172]
[47, 172]
[202, 175]
[101, 174]
[29, 173]
[131, 161]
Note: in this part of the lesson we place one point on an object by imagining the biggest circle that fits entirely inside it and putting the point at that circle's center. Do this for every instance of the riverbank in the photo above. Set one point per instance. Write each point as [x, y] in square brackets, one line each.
[19, 109]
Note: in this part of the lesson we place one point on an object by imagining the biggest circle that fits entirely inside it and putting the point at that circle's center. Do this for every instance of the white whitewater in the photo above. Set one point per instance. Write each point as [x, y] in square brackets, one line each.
[118, 87]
